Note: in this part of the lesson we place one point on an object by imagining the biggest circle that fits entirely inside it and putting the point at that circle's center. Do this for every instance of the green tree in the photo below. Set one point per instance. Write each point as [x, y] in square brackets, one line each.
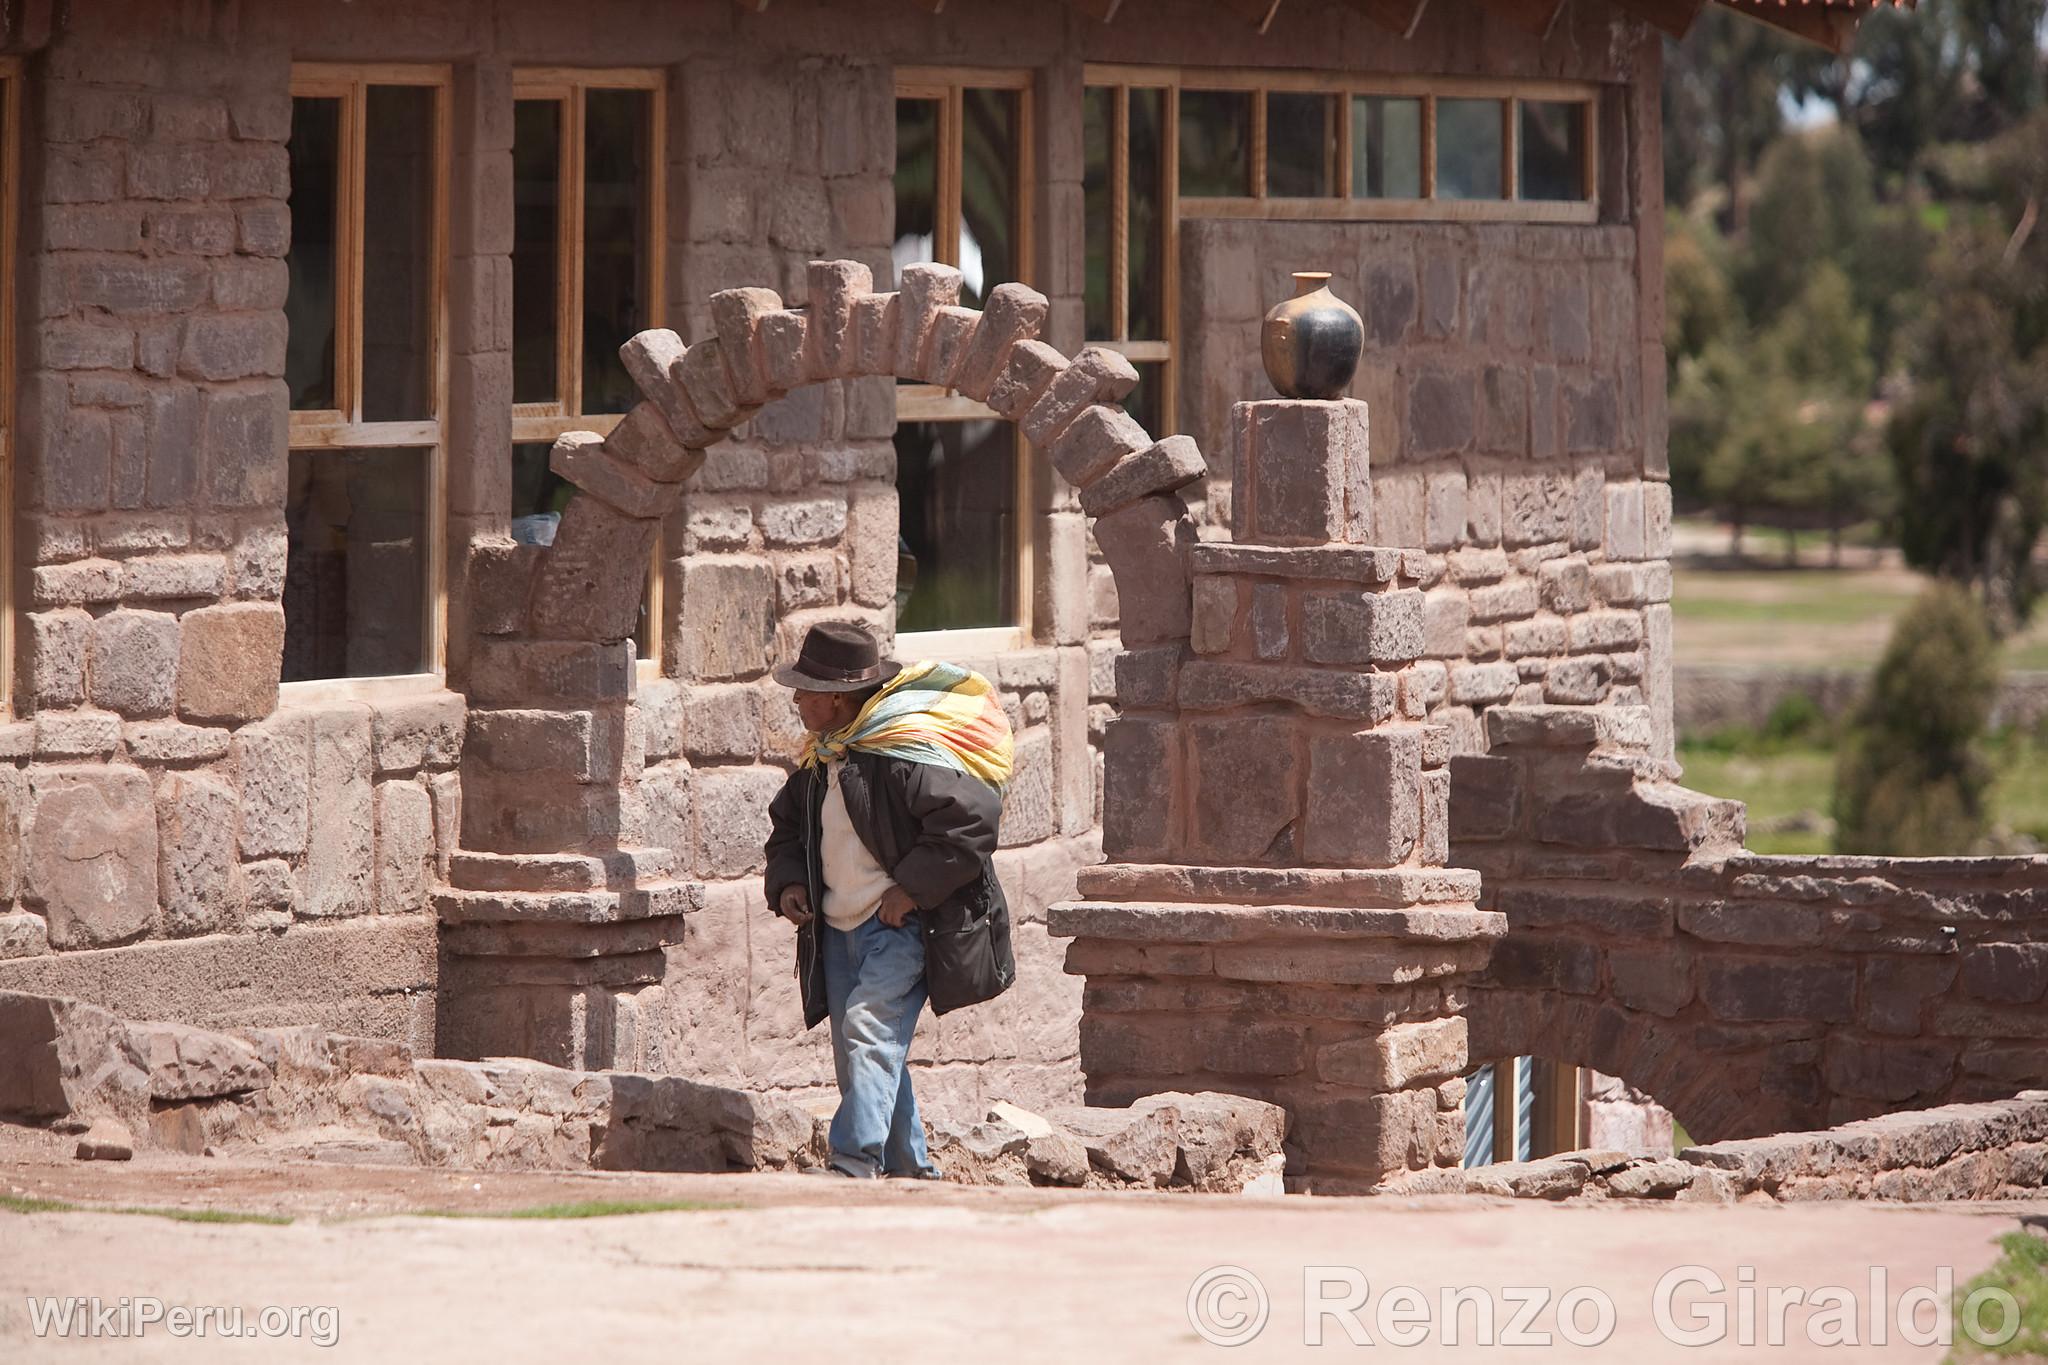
[1814, 203]
[1721, 109]
[1909, 779]
[1970, 440]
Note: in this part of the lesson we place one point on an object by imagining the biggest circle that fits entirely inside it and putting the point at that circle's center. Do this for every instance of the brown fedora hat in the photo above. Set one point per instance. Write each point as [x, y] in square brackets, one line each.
[837, 656]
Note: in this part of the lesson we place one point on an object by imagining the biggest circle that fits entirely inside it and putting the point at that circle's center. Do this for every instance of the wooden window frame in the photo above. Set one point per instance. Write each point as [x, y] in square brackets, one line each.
[932, 403]
[1158, 350]
[343, 427]
[535, 423]
[10, 217]
[1341, 206]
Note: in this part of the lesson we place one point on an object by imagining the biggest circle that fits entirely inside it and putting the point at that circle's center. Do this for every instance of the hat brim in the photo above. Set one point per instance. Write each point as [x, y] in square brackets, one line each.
[790, 676]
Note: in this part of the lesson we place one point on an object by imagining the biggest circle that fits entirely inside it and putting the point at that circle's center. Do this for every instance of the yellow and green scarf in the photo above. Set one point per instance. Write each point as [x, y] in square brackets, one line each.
[935, 713]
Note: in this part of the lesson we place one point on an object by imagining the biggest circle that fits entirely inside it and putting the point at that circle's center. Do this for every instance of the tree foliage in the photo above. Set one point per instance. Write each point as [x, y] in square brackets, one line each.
[1910, 780]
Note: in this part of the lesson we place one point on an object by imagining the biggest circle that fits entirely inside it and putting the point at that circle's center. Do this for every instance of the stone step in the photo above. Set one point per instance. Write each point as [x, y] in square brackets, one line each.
[1397, 888]
[661, 899]
[628, 867]
[1168, 922]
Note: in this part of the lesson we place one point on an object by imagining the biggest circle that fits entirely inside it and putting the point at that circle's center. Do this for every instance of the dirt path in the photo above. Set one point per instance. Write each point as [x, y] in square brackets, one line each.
[809, 1269]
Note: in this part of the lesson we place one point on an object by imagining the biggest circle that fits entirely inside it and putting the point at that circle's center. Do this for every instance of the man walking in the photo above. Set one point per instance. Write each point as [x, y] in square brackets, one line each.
[881, 854]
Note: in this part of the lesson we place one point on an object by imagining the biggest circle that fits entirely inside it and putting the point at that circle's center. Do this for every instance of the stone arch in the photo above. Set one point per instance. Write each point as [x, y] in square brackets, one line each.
[561, 901]
[1714, 1094]
[588, 585]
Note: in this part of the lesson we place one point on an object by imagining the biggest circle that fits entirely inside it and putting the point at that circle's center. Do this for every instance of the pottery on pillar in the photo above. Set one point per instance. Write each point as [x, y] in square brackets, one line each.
[1311, 343]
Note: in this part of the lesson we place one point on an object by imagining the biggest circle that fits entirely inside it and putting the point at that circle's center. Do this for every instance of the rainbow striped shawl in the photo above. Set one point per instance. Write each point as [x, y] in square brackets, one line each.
[935, 713]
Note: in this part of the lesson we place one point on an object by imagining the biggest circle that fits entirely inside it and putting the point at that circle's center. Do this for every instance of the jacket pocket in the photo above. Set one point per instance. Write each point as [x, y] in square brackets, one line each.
[967, 955]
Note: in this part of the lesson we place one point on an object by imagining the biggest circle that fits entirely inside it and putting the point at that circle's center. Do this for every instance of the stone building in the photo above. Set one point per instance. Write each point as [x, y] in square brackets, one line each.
[325, 706]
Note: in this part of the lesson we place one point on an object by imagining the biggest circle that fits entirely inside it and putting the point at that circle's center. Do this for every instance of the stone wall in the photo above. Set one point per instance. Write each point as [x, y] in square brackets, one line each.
[1748, 994]
[1509, 441]
[1710, 697]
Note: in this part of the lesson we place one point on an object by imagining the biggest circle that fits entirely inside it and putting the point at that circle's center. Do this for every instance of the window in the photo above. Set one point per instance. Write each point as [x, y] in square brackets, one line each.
[1521, 1108]
[587, 235]
[962, 188]
[1130, 199]
[1265, 144]
[362, 594]
[10, 176]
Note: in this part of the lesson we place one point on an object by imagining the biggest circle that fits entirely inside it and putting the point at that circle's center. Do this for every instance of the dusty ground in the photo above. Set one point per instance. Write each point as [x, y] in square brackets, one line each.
[808, 1268]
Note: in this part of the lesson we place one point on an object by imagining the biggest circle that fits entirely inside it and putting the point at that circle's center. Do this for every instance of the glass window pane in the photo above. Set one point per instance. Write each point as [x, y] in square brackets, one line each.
[1553, 144]
[1097, 112]
[536, 249]
[1386, 148]
[1147, 210]
[955, 485]
[1146, 402]
[398, 253]
[1468, 149]
[1301, 145]
[917, 182]
[356, 564]
[538, 494]
[988, 192]
[618, 186]
[310, 264]
[1215, 144]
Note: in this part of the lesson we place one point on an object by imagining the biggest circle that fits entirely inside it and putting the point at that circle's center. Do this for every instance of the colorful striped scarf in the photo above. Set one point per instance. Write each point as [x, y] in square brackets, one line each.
[936, 713]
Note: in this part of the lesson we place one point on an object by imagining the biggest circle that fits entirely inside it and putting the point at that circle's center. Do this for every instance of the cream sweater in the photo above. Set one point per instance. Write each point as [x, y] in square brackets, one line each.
[854, 881]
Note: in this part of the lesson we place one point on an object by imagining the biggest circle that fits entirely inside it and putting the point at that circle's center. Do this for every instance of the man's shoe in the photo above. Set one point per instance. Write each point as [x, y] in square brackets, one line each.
[836, 1167]
[928, 1173]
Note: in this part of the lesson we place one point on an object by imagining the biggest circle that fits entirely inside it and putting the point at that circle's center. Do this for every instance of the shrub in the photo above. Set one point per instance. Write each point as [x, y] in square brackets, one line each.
[1910, 779]
[1796, 717]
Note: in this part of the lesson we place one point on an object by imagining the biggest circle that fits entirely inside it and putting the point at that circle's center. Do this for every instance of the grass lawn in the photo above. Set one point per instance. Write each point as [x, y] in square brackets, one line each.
[1796, 780]
[1838, 617]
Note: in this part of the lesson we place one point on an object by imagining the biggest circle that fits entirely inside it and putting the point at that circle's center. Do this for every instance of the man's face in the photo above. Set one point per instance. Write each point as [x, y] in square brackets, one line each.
[824, 712]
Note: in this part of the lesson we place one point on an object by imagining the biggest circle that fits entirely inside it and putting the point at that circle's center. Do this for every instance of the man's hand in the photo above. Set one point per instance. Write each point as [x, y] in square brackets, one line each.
[897, 906]
[795, 905]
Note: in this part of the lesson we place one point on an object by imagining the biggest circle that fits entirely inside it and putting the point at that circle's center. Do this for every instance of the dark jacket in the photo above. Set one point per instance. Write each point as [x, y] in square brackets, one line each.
[934, 831]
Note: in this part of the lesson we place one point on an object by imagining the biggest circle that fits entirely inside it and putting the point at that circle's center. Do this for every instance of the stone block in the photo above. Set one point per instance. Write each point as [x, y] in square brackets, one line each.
[591, 584]
[1400, 1058]
[732, 819]
[419, 732]
[650, 358]
[1482, 684]
[834, 288]
[702, 374]
[1247, 789]
[1167, 467]
[336, 879]
[1215, 614]
[542, 672]
[1014, 313]
[922, 291]
[1367, 806]
[737, 314]
[584, 459]
[726, 622]
[172, 577]
[229, 660]
[405, 846]
[1027, 376]
[56, 648]
[1446, 613]
[196, 854]
[1096, 375]
[1031, 801]
[1147, 546]
[1141, 775]
[92, 854]
[132, 662]
[1337, 694]
[1301, 473]
[1369, 627]
[809, 521]
[2006, 973]
[1096, 440]
[1746, 990]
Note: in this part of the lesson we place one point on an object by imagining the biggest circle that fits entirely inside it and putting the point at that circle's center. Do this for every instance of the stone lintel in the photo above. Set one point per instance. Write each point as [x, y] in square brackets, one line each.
[1398, 888]
[623, 868]
[1334, 563]
[662, 900]
[1179, 923]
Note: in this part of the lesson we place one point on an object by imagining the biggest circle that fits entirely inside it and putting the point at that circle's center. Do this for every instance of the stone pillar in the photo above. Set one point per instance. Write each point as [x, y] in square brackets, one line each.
[1278, 921]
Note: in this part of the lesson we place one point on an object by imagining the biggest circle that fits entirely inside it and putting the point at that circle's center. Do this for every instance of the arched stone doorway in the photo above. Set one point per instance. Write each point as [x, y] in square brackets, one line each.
[560, 907]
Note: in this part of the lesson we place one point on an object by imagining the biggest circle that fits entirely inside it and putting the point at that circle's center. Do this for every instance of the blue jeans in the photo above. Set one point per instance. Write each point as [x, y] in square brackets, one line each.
[874, 990]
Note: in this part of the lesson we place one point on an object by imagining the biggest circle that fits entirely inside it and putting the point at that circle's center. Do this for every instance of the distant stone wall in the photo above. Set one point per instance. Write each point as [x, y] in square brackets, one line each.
[1710, 697]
